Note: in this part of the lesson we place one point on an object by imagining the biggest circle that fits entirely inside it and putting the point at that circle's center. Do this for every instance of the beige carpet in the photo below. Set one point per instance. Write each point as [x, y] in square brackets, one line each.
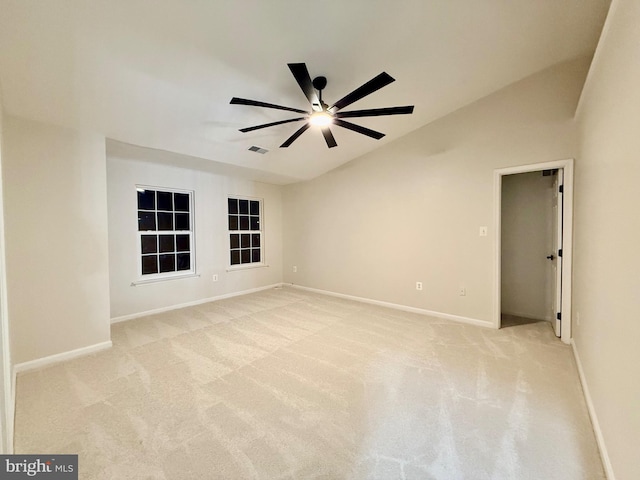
[507, 320]
[285, 384]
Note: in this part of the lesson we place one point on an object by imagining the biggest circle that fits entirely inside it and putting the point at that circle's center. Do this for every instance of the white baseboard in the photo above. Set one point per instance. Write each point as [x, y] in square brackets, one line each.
[57, 358]
[12, 414]
[405, 308]
[124, 318]
[604, 454]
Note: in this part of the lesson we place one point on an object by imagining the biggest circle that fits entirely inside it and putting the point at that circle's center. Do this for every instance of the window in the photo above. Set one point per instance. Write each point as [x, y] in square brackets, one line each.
[165, 231]
[245, 231]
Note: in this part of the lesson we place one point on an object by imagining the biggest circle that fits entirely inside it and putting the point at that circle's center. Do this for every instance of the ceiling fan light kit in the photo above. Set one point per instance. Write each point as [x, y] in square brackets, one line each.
[321, 119]
[323, 115]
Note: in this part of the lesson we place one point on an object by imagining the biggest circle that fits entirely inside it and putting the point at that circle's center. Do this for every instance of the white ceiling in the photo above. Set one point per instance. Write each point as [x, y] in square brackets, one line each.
[161, 73]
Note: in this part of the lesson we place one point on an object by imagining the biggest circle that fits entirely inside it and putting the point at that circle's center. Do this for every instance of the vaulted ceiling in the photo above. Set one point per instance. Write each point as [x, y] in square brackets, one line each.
[160, 73]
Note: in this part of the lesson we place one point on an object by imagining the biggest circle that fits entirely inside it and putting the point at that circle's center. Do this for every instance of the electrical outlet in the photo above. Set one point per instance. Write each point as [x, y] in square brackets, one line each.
[295, 269]
[215, 277]
[463, 291]
[418, 285]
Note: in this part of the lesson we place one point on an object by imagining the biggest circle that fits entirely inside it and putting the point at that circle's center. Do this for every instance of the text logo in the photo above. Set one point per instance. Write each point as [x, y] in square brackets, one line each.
[49, 467]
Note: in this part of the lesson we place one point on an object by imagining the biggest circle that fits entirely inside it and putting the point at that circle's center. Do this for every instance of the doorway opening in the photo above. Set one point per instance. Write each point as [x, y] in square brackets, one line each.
[533, 216]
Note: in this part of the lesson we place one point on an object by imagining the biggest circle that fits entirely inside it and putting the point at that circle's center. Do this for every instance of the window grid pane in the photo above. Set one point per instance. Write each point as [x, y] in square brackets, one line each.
[149, 264]
[183, 243]
[181, 202]
[146, 221]
[149, 244]
[184, 261]
[182, 221]
[167, 263]
[146, 199]
[165, 201]
[233, 206]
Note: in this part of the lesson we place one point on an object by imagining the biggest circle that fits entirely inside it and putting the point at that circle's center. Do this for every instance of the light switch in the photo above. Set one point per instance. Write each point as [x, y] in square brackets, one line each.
[483, 231]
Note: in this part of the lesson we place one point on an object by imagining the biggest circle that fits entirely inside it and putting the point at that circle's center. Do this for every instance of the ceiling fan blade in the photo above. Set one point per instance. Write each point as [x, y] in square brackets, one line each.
[301, 74]
[257, 127]
[255, 103]
[292, 138]
[375, 112]
[357, 128]
[371, 86]
[328, 137]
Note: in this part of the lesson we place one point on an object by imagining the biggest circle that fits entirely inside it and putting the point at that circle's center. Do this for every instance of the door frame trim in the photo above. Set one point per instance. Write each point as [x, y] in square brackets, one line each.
[567, 237]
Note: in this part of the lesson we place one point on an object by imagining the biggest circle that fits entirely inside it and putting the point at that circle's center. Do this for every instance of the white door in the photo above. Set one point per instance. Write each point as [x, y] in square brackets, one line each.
[556, 255]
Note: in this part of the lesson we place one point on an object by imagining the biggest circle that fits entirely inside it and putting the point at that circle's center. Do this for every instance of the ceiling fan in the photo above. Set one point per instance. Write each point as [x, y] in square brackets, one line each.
[324, 115]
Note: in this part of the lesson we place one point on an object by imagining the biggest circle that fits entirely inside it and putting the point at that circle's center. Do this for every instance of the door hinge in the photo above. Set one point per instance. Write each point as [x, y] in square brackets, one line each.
[561, 188]
[559, 316]
[560, 252]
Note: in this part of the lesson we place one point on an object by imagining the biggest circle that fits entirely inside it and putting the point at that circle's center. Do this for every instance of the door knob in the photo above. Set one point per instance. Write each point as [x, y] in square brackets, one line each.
[551, 257]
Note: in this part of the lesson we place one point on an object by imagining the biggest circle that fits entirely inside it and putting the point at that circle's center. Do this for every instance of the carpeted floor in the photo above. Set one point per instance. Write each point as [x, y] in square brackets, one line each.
[507, 320]
[286, 384]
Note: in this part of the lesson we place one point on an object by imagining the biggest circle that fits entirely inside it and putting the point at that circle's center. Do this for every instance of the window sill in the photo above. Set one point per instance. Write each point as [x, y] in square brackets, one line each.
[246, 266]
[147, 281]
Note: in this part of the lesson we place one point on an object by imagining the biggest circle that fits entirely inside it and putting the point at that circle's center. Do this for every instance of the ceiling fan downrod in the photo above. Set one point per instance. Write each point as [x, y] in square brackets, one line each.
[319, 83]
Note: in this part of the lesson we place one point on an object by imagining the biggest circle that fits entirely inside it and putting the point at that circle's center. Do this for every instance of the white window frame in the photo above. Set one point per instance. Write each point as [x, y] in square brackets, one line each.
[244, 266]
[161, 276]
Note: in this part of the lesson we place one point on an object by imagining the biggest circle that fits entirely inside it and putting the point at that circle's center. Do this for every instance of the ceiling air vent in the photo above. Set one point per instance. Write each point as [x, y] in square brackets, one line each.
[258, 149]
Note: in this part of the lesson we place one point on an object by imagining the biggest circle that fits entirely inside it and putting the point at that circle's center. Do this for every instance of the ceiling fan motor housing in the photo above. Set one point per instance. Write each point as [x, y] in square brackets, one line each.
[319, 83]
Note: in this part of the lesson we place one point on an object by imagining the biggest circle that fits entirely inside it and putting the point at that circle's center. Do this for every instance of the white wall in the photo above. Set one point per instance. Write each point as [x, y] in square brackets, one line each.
[527, 238]
[411, 210]
[55, 208]
[211, 241]
[607, 238]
